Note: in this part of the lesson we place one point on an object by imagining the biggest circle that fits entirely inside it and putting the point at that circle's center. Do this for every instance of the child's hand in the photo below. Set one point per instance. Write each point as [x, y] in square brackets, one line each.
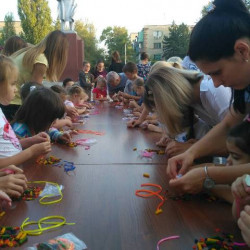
[65, 137]
[41, 137]
[71, 111]
[244, 224]
[40, 149]
[240, 188]
[68, 123]
[4, 199]
[13, 184]
[133, 123]
[10, 168]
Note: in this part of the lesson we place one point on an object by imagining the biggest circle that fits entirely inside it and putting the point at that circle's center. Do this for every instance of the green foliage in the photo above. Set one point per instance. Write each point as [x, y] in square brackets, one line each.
[56, 24]
[177, 42]
[35, 19]
[88, 34]
[8, 29]
[115, 39]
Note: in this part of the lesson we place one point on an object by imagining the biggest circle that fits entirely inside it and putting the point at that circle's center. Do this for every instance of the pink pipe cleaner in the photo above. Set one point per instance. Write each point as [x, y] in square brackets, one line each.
[165, 239]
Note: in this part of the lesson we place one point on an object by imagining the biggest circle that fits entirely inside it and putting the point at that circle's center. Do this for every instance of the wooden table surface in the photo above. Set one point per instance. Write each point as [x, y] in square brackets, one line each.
[100, 197]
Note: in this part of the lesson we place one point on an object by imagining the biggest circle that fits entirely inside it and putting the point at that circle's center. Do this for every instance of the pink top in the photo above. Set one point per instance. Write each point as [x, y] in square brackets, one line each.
[100, 92]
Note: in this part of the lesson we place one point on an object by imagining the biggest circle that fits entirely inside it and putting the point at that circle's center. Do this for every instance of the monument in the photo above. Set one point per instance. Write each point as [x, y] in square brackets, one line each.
[66, 11]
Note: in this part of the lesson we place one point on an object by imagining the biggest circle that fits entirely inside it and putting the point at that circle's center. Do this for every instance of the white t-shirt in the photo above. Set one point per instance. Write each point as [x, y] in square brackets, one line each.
[69, 104]
[214, 102]
[9, 144]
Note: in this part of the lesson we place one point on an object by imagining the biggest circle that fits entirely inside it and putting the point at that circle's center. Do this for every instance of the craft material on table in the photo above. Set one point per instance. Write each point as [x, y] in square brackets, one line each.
[12, 237]
[67, 242]
[80, 131]
[145, 193]
[166, 239]
[50, 222]
[31, 193]
[221, 242]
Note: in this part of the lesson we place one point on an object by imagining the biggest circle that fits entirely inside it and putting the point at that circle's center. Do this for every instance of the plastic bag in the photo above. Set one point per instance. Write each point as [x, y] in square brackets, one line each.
[67, 241]
[51, 190]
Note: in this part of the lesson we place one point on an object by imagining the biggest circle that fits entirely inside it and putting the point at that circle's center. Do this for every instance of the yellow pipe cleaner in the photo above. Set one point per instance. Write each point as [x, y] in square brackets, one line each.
[41, 201]
[41, 229]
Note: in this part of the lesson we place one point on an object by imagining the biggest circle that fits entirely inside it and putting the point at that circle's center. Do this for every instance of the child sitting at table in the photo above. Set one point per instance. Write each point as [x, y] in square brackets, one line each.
[130, 70]
[10, 148]
[238, 146]
[67, 83]
[138, 86]
[66, 120]
[76, 96]
[38, 113]
[100, 92]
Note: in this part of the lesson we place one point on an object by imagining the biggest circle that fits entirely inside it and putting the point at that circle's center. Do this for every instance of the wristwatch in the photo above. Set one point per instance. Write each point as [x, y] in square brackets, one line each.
[208, 182]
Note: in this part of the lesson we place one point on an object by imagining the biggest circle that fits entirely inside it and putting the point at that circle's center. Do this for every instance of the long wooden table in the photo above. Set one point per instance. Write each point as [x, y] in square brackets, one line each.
[100, 197]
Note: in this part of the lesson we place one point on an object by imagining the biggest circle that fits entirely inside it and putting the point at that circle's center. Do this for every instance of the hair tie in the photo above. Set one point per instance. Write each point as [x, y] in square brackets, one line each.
[32, 88]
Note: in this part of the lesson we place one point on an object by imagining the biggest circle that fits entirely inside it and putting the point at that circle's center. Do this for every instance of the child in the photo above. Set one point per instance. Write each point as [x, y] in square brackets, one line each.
[86, 79]
[138, 86]
[27, 88]
[144, 66]
[99, 70]
[67, 83]
[76, 96]
[10, 148]
[238, 144]
[130, 71]
[100, 92]
[38, 113]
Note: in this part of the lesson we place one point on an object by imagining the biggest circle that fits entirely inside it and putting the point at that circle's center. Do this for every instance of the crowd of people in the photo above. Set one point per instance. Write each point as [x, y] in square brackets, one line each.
[200, 105]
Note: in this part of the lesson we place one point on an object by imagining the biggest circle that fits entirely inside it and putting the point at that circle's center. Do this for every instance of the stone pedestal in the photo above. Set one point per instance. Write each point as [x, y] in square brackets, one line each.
[75, 57]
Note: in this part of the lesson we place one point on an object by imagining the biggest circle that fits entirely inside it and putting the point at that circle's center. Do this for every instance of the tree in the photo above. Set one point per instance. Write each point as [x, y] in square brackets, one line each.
[177, 42]
[117, 38]
[8, 29]
[35, 19]
[88, 34]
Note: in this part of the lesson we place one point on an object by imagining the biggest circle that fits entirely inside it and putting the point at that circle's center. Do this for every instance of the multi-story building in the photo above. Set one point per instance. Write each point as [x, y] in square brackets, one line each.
[150, 40]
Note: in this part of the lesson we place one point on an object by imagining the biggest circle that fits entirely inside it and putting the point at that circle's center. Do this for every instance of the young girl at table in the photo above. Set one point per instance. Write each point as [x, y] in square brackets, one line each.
[10, 148]
[38, 113]
[76, 97]
[100, 92]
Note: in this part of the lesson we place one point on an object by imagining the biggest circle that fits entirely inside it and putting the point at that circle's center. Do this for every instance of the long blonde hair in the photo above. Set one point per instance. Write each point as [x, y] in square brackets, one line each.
[55, 48]
[169, 91]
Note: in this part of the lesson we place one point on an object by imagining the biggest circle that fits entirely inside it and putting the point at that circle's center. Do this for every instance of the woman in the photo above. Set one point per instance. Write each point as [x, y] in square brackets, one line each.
[45, 60]
[224, 54]
[116, 63]
[178, 96]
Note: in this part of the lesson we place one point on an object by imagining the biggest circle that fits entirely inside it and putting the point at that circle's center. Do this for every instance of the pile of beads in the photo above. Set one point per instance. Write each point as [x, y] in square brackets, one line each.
[29, 194]
[9, 237]
[71, 144]
[48, 161]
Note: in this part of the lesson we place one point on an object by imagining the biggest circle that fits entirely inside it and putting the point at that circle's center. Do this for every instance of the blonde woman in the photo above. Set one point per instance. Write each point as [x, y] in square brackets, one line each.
[44, 60]
[179, 97]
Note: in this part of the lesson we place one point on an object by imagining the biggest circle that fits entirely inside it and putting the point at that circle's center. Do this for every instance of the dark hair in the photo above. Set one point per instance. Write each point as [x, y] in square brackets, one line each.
[40, 109]
[13, 44]
[241, 135]
[58, 89]
[130, 67]
[214, 36]
[65, 81]
[116, 57]
[85, 62]
[27, 88]
[144, 56]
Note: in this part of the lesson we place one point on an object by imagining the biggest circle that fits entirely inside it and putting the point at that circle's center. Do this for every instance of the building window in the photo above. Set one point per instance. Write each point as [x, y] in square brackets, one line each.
[157, 34]
[157, 57]
[157, 45]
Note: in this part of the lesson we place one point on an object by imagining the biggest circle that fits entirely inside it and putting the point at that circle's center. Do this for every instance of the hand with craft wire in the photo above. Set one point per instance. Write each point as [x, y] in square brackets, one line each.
[244, 224]
[40, 137]
[13, 184]
[163, 142]
[65, 137]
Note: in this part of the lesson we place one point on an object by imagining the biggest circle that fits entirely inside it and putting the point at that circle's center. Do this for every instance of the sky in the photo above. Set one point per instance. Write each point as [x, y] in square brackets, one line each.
[132, 14]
